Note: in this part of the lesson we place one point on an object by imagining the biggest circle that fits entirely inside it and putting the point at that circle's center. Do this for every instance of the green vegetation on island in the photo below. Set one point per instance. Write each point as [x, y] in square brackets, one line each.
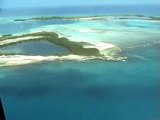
[155, 18]
[43, 18]
[96, 17]
[74, 47]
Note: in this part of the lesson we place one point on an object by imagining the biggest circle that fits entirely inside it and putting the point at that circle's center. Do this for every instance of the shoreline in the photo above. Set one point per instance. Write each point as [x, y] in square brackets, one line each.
[40, 35]
[16, 60]
[78, 51]
[90, 18]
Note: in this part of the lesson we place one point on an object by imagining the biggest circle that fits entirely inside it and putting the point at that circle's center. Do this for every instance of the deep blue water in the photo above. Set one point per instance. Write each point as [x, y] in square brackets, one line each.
[83, 10]
[93, 90]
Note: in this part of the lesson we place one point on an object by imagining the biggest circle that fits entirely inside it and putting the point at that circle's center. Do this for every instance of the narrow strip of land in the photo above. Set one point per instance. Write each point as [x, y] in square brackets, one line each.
[79, 51]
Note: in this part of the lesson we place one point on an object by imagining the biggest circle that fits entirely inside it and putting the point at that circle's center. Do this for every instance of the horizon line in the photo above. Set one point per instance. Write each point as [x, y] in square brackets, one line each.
[63, 6]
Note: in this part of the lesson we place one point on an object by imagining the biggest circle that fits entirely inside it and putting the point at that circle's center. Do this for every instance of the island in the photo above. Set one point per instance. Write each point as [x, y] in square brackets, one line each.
[44, 18]
[89, 18]
[79, 51]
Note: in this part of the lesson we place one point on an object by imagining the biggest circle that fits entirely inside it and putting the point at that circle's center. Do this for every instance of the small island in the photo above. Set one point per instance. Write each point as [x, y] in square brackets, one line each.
[44, 18]
[78, 50]
[89, 18]
[73, 47]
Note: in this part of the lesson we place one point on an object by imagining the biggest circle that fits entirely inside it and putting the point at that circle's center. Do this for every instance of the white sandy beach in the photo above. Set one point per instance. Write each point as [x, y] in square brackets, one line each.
[9, 41]
[89, 18]
[100, 46]
[87, 30]
[14, 60]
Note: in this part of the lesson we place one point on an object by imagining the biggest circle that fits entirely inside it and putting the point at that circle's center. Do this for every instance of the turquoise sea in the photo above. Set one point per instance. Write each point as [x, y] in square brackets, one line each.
[92, 90]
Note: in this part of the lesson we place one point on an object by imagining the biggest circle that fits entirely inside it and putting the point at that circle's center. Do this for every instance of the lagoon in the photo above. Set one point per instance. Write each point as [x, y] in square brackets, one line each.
[35, 48]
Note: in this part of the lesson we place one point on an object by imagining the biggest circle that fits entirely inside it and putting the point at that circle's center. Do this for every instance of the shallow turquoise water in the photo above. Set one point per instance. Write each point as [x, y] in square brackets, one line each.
[93, 90]
[12, 27]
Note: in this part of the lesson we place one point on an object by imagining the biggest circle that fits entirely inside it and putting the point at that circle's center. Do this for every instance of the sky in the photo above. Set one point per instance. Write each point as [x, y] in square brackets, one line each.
[55, 3]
